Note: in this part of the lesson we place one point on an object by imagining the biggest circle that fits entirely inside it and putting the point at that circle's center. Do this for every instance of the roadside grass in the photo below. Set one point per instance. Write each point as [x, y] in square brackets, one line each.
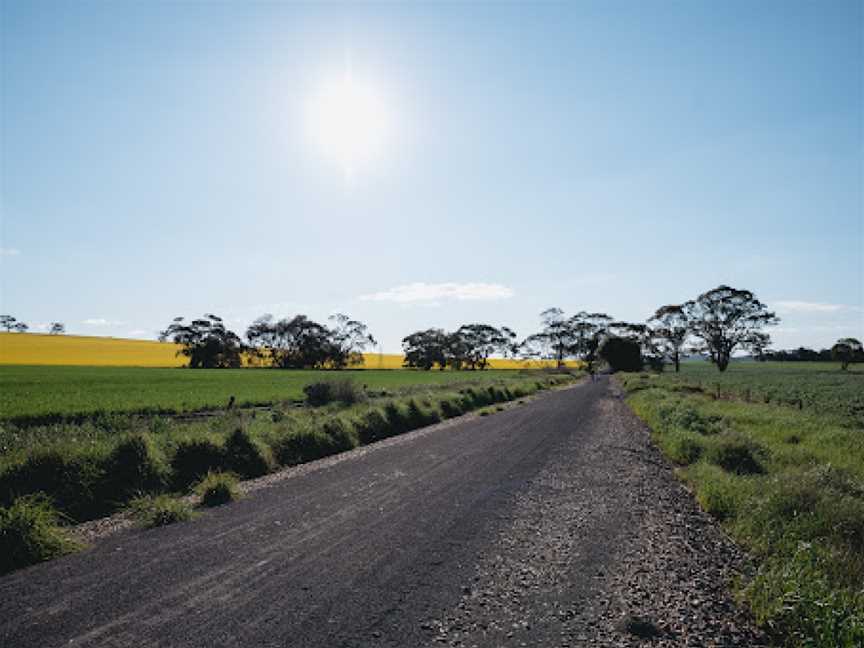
[218, 488]
[160, 510]
[788, 485]
[30, 533]
[89, 471]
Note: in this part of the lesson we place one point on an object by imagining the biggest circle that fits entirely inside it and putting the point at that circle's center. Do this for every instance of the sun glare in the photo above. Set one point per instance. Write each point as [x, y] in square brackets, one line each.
[349, 122]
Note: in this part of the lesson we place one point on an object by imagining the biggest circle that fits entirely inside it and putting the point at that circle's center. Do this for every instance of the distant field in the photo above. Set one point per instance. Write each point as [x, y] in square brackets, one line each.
[820, 387]
[90, 351]
[44, 391]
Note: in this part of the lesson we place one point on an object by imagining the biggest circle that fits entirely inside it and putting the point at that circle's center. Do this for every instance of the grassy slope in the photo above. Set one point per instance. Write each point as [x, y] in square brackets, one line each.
[788, 484]
[69, 391]
[91, 469]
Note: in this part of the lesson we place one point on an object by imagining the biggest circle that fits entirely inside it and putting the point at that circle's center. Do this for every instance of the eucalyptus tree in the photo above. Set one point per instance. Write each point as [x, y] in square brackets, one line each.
[847, 351]
[295, 343]
[348, 339]
[669, 329]
[206, 342]
[726, 319]
[477, 342]
[425, 349]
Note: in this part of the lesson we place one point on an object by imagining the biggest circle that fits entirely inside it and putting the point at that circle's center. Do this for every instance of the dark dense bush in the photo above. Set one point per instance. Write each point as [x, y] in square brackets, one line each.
[622, 354]
[247, 456]
[451, 407]
[136, 466]
[372, 427]
[194, 458]
[341, 433]
[343, 390]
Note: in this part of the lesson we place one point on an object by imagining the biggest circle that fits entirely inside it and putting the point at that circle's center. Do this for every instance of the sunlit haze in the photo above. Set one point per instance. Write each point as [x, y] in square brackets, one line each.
[418, 165]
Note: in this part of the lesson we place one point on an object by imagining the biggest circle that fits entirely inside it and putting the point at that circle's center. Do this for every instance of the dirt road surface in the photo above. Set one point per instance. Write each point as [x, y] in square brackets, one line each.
[555, 523]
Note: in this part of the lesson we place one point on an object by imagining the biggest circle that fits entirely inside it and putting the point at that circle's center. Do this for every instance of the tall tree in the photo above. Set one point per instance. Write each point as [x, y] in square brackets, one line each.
[726, 319]
[57, 328]
[425, 349]
[556, 337]
[847, 351]
[473, 344]
[588, 332]
[348, 339]
[7, 322]
[206, 342]
[670, 329]
[296, 343]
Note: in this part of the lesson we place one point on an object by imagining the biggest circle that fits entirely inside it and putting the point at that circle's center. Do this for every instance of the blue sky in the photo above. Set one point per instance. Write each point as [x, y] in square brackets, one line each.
[615, 156]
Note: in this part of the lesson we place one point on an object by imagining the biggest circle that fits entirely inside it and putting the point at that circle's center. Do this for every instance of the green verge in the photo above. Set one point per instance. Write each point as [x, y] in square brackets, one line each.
[788, 485]
[94, 469]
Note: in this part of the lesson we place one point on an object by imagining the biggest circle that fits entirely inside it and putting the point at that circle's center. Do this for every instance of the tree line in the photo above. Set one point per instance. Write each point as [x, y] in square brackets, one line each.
[717, 323]
[295, 343]
[12, 324]
[845, 351]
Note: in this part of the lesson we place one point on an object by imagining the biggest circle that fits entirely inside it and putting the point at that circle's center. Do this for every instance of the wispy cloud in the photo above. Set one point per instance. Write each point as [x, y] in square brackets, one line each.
[101, 321]
[7, 251]
[793, 306]
[431, 294]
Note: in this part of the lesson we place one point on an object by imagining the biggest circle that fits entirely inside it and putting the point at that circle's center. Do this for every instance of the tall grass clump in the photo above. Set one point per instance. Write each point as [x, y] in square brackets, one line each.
[160, 510]
[217, 488]
[30, 533]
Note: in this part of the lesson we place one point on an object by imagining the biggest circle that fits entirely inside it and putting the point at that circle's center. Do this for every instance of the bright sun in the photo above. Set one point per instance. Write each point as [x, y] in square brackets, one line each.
[349, 122]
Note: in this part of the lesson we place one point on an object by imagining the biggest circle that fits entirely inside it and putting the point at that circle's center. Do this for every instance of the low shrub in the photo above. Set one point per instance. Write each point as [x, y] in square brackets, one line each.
[194, 458]
[342, 390]
[160, 510]
[736, 455]
[247, 456]
[30, 533]
[217, 488]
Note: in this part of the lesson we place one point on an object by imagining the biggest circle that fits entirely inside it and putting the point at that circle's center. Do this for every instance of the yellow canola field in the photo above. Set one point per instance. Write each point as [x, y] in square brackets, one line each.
[43, 349]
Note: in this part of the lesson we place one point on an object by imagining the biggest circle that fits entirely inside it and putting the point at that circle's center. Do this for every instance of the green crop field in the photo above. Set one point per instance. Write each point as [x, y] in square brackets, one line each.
[813, 386]
[66, 392]
[775, 452]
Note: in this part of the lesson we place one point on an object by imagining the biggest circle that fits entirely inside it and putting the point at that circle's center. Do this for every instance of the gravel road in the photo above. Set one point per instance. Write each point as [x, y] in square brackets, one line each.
[555, 523]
